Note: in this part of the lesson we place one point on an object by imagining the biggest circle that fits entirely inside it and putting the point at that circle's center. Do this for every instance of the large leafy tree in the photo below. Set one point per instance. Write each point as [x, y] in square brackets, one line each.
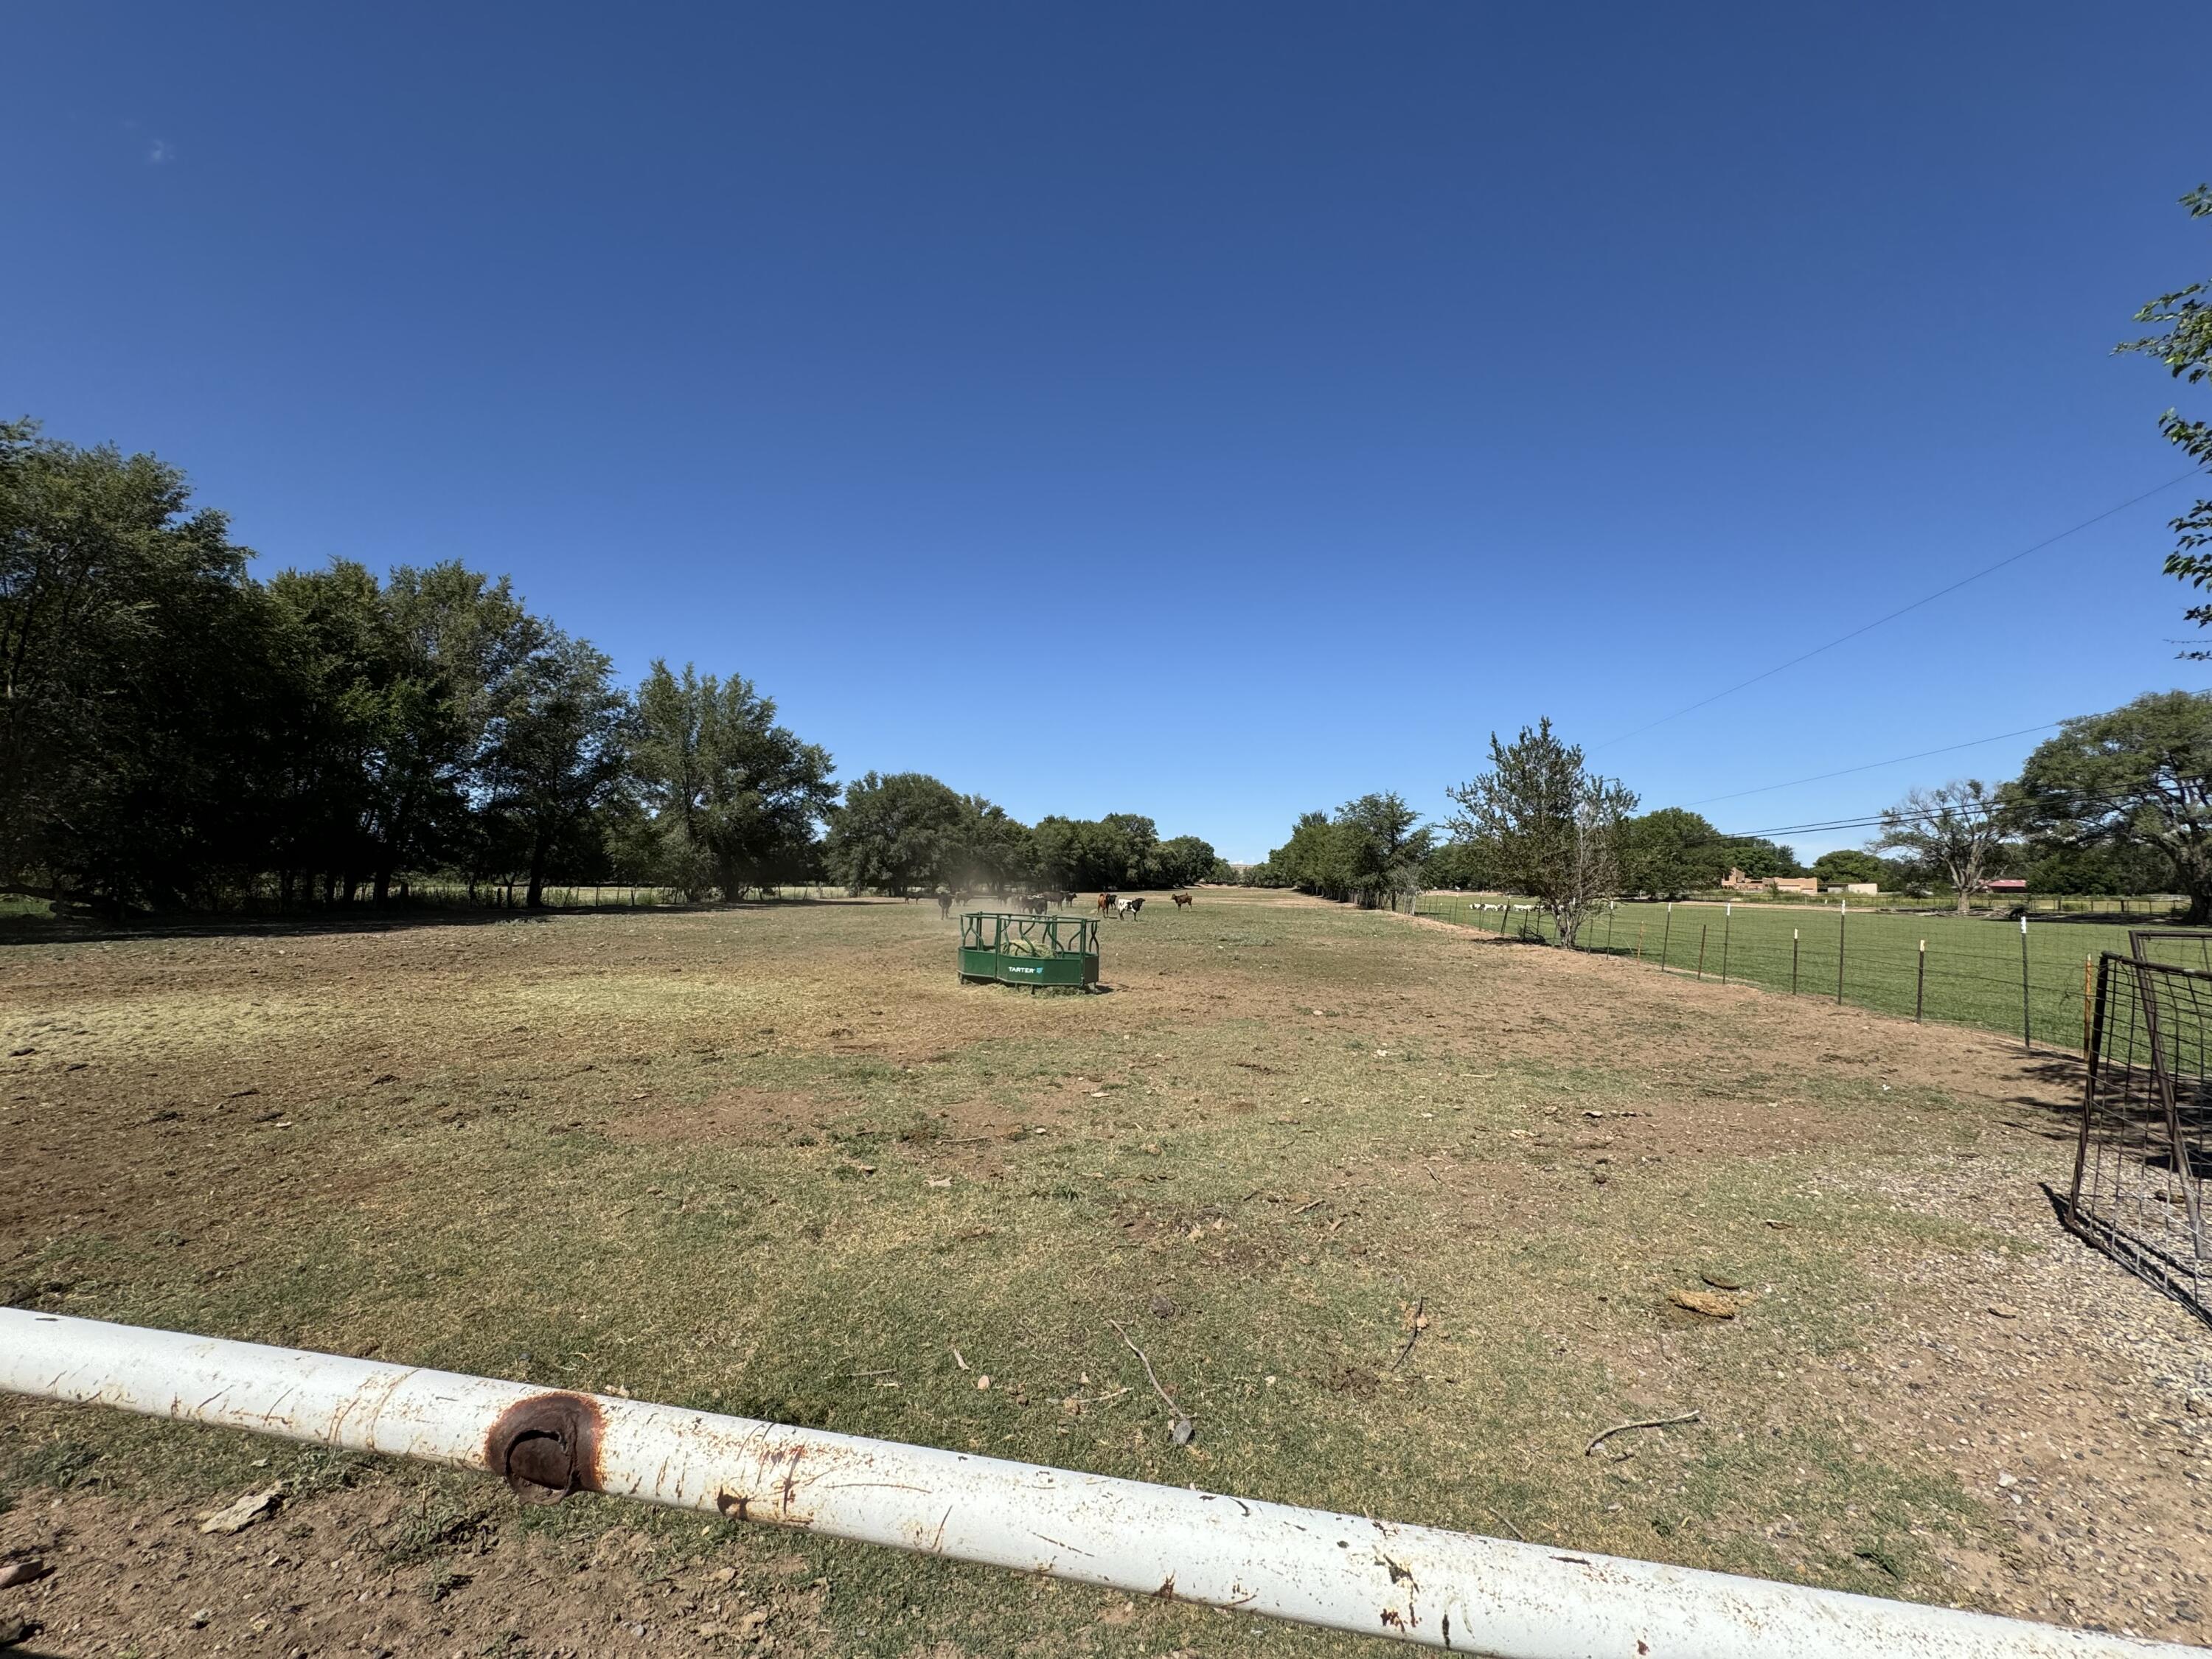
[452, 637]
[557, 749]
[2139, 777]
[1382, 844]
[1182, 861]
[735, 797]
[992, 848]
[1959, 828]
[1847, 863]
[896, 833]
[1552, 827]
[139, 691]
[2185, 346]
[1671, 852]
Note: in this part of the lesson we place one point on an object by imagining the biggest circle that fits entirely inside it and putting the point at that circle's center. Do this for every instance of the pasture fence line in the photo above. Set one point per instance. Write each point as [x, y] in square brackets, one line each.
[1420, 1585]
[2025, 977]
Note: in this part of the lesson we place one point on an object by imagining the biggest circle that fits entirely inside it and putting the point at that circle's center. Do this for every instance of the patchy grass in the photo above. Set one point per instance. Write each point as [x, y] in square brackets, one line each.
[779, 1162]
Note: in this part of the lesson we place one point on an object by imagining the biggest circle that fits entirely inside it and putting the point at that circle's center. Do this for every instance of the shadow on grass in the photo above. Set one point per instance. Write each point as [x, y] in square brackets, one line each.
[87, 929]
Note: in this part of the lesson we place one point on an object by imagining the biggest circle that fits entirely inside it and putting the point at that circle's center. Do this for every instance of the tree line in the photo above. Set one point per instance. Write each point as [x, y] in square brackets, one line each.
[177, 734]
[2119, 802]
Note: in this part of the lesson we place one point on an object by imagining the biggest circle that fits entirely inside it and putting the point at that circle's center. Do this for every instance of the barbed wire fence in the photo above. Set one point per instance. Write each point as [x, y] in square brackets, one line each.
[2031, 979]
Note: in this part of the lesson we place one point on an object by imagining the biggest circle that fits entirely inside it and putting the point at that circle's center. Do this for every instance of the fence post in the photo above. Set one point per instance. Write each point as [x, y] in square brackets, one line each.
[1728, 913]
[1793, 962]
[1665, 934]
[1843, 912]
[1920, 984]
[2088, 993]
[2027, 1031]
[1703, 929]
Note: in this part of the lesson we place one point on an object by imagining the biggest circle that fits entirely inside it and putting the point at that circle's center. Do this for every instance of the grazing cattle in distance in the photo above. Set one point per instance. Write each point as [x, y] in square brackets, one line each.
[1130, 907]
[1033, 903]
[1105, 902]
[1182, 901]
[945, 907]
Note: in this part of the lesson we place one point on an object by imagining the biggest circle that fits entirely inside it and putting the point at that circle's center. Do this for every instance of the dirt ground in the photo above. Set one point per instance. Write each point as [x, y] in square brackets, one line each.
[778, 1161]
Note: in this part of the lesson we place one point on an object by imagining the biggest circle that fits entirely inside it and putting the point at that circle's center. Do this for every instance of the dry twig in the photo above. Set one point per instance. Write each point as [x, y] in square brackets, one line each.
[1648, 1423]
[1181, 1428]
[1419, 1325]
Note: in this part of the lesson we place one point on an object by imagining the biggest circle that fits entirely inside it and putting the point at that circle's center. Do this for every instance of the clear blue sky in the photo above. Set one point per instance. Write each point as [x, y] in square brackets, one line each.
[1211, 411]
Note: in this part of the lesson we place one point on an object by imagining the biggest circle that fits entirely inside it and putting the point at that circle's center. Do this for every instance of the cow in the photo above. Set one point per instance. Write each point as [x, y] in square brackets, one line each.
[1105, 901]
[1032, 903]
[1131, 907]
[1182, 901]
[944, 907]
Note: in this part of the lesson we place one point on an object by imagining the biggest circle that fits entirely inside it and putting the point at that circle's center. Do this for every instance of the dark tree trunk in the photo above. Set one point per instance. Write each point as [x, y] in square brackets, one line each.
[539, 848]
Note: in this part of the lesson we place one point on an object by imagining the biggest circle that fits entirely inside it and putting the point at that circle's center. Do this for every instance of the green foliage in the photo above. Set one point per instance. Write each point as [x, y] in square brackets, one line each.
[1464, 866]
[898, 835]
[1672, 852]
[1959, 828]
[734, 796]
[2185, 348]
[1761, 861]
[1553, 829]
[557, 752]
[1846, 865]
[2139, 777]
[1371, 852]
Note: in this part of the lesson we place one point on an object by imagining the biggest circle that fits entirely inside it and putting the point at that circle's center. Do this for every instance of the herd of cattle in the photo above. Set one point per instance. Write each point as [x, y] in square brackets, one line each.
[1110, 902]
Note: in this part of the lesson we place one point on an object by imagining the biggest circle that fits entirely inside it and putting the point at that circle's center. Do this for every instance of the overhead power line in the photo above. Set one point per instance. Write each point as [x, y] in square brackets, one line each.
[1875, 822]
[1897, 760]
[1867, 627]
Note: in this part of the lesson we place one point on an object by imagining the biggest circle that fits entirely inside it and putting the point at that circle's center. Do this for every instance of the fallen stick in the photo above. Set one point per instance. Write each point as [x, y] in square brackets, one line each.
[1181, 1429]
[1419, 1325]
[1648, 1423]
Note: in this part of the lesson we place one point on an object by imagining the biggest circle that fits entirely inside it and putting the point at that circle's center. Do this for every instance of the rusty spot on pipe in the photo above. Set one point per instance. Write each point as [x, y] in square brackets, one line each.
[546, 1447]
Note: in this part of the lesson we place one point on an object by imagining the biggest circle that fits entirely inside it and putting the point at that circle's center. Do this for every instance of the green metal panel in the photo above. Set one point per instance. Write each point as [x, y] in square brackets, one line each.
[1056, 950]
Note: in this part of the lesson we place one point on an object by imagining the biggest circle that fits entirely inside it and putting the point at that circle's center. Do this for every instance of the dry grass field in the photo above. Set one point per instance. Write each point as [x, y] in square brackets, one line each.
[777, 1161]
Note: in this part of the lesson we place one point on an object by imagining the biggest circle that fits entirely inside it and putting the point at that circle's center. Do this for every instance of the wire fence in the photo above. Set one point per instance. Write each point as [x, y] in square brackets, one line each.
[2031, 979]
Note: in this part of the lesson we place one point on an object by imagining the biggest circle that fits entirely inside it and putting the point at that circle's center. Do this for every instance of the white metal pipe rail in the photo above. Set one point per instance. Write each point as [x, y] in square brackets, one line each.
[1421, 1584]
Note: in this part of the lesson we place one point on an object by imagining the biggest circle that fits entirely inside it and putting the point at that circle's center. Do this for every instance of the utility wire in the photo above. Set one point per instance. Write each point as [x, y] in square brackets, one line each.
[1874, 822]
[1822, 777]
[1929, 599]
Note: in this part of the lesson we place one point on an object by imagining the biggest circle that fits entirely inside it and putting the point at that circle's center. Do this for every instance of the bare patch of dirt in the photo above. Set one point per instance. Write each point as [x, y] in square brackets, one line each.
[745, 1117]
[357, 1571]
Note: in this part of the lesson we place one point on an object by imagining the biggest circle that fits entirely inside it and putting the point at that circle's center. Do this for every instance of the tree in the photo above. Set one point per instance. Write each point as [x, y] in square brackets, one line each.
[1670, 851]
[140, 679]
[1464, 866]
[993, 848]
[1847, 864]
[450, 637]
[1760, 860]
[1957, 829]
[1183, 860]
[558, 747]
[735, 797]
[895, 834]
[2139, 777]
[2185, 348]
[1380, 847]
[1554, 829]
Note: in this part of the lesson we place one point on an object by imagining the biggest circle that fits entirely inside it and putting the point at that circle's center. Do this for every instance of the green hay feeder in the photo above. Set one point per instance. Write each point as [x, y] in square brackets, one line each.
[1060, 952]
